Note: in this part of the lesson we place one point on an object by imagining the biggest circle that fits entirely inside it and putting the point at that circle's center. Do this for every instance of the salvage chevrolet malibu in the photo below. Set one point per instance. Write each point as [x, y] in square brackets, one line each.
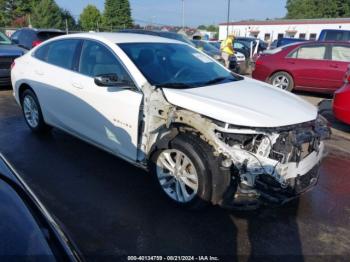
[207, 135]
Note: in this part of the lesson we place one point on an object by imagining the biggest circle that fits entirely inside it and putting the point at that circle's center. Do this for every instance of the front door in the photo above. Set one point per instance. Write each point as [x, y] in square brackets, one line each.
[108, 116]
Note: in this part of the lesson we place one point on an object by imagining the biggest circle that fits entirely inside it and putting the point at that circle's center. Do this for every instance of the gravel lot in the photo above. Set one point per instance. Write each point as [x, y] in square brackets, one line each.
[112, 209]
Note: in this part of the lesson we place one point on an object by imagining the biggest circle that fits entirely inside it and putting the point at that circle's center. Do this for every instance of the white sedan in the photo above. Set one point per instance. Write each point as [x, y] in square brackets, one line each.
[207, 135]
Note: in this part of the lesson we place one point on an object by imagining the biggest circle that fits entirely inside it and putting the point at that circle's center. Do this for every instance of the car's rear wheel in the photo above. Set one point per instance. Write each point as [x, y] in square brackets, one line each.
[183, 171]
[32, 112]
[282, 80]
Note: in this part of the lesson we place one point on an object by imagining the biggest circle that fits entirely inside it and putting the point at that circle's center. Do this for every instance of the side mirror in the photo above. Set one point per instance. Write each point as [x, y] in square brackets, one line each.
[107, 80]
[14, 41]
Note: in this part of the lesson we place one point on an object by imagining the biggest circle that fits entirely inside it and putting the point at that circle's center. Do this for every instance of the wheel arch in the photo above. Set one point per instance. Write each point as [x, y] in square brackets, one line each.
[23, 87]
[220, 176]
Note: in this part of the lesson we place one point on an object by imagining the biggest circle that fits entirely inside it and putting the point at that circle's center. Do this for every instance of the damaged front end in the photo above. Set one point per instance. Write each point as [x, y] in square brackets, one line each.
[272, 165]
[264, 165]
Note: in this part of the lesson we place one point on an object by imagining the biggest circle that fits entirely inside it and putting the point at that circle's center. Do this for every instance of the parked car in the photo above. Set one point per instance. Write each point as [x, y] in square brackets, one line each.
[216, 54]
[31, 37]
[8, 53]
[285, 41]
[28, 231]
[242, 64]
[207, 135]
[249, 41]
[311, 66]
[341, 101]
[208, 49]
[170, 35]
[334, 35]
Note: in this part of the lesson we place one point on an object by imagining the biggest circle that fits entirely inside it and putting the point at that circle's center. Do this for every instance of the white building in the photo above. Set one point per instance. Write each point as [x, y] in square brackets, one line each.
[270, 30]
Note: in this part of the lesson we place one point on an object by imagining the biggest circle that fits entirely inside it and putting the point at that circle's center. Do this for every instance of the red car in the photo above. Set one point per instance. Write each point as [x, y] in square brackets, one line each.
[311, 66]
[341, 102]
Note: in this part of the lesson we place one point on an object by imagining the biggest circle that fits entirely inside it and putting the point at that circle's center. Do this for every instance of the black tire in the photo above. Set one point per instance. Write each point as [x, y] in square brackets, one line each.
[41, 127]
[283, 75]
[201, 155]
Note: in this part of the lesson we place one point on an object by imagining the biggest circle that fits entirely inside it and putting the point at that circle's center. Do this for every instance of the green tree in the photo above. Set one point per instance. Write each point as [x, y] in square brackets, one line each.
[47, 14]
[90, 18]
[14, 10]
[67, 16]
[202, 27]
[307, 9]
[117, 13]
[212, 28]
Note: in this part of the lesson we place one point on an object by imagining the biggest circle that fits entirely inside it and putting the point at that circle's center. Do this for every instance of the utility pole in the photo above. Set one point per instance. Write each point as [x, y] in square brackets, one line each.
[183, 14]
[228, 15]
[67, 30]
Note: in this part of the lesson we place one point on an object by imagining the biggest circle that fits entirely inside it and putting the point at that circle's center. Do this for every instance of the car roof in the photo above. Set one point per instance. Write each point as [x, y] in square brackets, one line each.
[119, 38]
[137, 31]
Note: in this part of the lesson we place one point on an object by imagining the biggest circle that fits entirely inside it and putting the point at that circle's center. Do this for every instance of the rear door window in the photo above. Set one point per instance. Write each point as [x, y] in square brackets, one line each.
[61, 53]
[341, 53]
[310, 52]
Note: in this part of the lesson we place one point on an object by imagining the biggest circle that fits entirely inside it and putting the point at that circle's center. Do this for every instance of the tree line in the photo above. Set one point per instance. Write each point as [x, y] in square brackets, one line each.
[308, 9]
[47, 14]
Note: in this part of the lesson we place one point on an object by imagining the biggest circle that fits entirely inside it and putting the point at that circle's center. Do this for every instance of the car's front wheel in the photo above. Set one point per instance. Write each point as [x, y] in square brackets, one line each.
[282, 80]
[32, 112]
[183, 171]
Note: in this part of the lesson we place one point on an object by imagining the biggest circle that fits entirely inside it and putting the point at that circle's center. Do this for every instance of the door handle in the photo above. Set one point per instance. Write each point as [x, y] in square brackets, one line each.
[334, 66]
[77, 85]
[291, 62]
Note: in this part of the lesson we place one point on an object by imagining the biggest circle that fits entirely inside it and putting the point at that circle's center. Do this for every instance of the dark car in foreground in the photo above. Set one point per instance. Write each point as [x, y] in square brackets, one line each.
[309, 66]
[341, 101]
[8, 53]
[31, 37]
[27, 231]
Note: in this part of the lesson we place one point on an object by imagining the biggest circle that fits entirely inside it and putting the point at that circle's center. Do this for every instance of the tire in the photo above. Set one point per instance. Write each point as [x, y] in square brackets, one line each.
[198, 161]
[282, 80]
[32, 112]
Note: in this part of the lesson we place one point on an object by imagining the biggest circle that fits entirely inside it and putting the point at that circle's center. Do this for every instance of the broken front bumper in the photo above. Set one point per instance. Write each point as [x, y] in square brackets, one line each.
[300, 177]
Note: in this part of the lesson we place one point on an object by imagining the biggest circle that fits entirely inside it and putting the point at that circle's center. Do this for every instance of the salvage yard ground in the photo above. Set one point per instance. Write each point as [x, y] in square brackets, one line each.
[111, 208]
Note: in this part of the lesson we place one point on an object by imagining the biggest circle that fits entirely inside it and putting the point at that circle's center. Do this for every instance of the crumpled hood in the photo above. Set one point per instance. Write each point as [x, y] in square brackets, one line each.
[248, 103]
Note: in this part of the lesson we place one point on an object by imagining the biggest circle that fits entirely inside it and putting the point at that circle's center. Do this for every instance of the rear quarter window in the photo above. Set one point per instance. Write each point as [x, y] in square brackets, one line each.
[60, 53]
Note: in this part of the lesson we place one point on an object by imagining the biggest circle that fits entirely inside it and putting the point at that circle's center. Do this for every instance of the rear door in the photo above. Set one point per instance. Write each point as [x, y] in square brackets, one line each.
[310, 66]
[338, 66]
[52, 72]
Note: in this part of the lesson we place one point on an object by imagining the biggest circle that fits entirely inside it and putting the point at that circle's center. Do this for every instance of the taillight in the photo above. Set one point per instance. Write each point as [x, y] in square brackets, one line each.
[259, 61]
[37, 42]
[13, 65]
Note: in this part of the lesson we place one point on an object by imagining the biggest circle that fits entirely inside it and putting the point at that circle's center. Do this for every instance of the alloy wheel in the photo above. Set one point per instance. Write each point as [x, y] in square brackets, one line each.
[281, 81]
[177, 175]
[31, 111]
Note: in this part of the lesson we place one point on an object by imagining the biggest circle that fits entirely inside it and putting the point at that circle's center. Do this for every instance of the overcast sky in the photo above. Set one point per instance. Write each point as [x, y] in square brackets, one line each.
[196, 12]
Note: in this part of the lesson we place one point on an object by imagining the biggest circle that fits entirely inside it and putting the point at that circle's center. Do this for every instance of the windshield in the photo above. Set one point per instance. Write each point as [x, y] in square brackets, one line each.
[176, 65]
[206, 47]
[4, 40]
